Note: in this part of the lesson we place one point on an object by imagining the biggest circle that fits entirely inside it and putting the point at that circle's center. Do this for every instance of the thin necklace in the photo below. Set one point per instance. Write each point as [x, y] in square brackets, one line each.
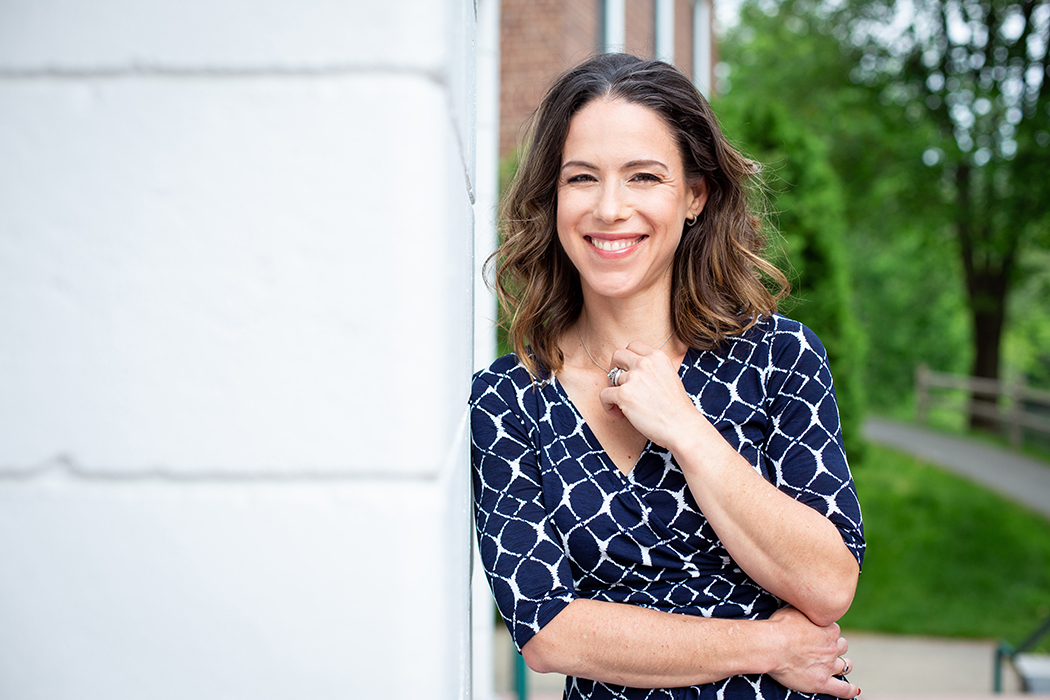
[604, 369]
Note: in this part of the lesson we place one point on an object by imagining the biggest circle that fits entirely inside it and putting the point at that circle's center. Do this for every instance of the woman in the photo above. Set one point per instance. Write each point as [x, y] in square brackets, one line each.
[663, 506]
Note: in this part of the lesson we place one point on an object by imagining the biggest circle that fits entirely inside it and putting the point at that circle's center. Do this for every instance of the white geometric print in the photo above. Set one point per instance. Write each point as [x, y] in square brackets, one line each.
[557, 520]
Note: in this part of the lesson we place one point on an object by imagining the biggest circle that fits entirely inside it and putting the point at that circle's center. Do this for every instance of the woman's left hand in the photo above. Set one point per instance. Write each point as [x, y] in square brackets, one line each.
[650, 394]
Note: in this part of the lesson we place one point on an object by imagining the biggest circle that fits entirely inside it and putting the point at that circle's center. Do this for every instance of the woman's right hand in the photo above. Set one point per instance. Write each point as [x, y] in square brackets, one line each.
[813, 657]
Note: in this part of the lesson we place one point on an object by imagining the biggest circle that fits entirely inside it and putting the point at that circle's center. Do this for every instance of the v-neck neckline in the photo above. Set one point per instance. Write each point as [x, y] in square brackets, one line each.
[592, 438]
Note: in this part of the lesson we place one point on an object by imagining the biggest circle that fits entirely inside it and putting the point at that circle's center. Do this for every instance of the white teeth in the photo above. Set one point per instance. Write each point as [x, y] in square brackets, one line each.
[613, 245]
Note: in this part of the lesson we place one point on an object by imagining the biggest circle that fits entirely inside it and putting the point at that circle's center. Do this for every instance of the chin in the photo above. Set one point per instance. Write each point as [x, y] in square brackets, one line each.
[622, 290]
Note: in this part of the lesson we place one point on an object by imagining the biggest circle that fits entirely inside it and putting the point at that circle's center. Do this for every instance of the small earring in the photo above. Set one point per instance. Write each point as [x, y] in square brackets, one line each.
[690, 222]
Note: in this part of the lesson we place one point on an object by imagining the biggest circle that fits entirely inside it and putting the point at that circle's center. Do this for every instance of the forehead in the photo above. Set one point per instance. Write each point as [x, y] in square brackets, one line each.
[615, 130]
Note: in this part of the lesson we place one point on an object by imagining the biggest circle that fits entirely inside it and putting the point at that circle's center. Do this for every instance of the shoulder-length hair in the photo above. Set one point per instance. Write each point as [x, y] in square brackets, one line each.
[719, 283]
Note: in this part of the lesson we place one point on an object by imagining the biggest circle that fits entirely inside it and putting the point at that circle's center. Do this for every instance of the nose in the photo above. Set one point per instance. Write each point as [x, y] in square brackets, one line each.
[612, 204]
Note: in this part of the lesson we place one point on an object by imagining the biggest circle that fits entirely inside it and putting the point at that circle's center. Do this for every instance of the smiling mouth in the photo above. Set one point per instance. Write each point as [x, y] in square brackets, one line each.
[614, 245]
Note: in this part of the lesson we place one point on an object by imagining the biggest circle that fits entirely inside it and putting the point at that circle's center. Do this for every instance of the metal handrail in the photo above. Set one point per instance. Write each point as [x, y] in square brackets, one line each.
[521, 681]
[1006, 651]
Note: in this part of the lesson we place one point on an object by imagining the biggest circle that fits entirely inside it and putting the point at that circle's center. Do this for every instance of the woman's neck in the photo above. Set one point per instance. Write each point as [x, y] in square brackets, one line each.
[607, 324]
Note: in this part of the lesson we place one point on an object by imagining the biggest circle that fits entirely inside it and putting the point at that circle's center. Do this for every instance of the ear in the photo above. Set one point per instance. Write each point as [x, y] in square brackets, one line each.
[700, 191]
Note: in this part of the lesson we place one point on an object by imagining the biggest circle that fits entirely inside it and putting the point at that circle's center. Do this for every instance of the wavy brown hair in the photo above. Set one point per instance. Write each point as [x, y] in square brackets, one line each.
[721, 283]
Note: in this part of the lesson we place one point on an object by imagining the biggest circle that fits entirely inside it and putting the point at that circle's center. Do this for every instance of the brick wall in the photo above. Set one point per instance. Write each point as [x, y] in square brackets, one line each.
[641, 28]
[531, 38]
[683, 36]
[541, 38]
[581, 38]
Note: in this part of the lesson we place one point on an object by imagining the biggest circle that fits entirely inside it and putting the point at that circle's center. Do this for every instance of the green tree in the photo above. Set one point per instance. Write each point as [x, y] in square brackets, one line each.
[975, 71]
[909, 279]
[807, 198]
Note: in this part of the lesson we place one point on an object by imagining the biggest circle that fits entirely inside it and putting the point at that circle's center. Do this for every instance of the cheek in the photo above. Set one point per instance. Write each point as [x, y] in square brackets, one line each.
[569, 211]
[562, 227]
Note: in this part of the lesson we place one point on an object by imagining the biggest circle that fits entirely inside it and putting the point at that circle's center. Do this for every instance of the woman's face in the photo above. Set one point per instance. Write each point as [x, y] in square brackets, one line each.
[623, 199]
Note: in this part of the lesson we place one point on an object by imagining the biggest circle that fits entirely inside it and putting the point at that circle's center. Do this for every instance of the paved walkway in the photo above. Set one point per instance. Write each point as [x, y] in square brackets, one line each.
[1012, 474]
[892, 667]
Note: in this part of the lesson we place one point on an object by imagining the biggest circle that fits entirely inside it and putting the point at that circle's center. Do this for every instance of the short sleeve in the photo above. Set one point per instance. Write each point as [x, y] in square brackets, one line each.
[804, 447]
[526, 565]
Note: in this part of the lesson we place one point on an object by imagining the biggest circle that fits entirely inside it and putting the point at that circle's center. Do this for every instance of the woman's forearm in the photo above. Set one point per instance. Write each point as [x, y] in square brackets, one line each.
[641, 648]
[788, 548]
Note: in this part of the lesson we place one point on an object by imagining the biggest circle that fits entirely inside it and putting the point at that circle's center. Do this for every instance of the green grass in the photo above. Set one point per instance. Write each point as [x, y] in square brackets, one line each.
[946, 557]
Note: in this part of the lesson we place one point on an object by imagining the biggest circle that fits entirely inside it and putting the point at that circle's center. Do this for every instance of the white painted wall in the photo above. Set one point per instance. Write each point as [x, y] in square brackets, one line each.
[235, 283]
[665, 26]
[615, 28]
[485, 204]
[703, 48]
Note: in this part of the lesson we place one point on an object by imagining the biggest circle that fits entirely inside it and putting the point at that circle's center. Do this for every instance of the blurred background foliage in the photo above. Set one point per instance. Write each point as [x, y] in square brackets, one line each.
[906, 148]
[806, 201]
[909, 151]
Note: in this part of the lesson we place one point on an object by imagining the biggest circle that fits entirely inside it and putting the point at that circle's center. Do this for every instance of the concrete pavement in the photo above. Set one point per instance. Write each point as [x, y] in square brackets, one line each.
[897, 667]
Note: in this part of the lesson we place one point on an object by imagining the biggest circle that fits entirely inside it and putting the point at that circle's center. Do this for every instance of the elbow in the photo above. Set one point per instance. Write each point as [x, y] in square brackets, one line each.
[830, 602]
[829, 610]
[538, 655]
[555, 648]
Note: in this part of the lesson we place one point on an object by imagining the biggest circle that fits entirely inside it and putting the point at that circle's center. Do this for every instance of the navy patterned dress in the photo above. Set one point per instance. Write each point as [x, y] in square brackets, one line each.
[557, 520]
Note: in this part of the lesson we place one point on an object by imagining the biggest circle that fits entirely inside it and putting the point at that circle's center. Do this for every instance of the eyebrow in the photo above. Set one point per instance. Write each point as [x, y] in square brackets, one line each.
[645, 164]
[627, 166]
